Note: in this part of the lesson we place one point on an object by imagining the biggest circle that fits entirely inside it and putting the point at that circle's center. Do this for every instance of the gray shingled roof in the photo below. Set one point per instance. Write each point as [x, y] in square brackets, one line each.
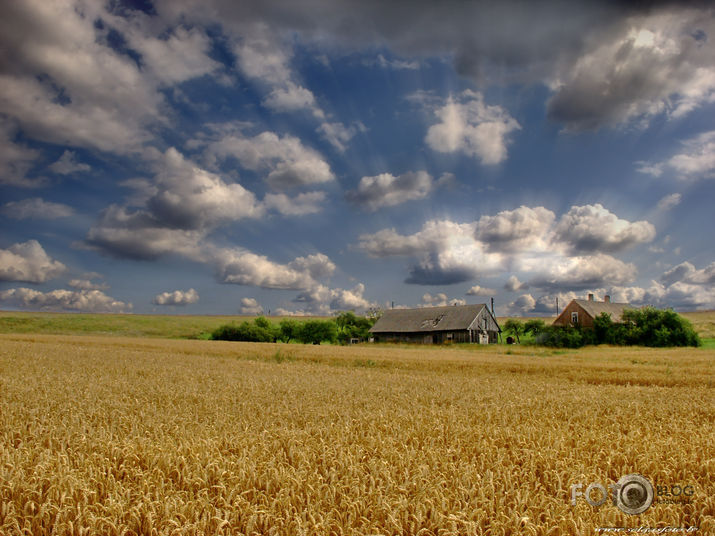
[595, 308]
[451, 317]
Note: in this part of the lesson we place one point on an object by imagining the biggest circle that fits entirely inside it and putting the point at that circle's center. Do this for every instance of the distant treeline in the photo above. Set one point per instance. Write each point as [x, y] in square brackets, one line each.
[341, 329]
[638, 327]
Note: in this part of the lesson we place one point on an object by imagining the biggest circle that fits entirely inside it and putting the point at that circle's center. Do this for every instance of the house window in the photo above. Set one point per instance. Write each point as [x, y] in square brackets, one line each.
[574, 317]
[450, 336]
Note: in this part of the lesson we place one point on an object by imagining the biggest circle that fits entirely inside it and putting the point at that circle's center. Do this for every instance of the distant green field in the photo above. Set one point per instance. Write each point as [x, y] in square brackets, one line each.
[162, 326]
[198, 327]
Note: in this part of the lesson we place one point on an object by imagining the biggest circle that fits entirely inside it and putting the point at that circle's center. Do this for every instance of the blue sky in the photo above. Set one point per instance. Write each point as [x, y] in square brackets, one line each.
[310, 157]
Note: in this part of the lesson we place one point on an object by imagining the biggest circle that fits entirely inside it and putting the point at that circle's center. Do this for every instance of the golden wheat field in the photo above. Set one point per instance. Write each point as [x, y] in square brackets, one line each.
[108, 435]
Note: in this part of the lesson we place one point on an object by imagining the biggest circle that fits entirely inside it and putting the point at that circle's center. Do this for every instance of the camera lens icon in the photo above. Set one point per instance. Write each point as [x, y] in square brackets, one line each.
[634, 494]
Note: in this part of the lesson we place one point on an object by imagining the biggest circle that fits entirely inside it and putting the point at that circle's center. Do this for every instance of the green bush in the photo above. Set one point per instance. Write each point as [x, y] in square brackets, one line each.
[644, 327]
[260, 330]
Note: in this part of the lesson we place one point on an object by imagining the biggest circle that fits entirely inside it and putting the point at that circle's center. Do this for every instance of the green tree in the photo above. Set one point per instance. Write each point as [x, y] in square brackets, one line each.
[515, 327]
[317, 331]
[290, 330]
[534, 326]
[352, 326]
[603, 329]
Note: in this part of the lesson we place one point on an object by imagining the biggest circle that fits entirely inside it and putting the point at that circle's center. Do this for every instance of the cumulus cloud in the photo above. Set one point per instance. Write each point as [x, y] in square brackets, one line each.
[250, 306]
[524, 240]
[581, 272]
[683, 287]
[513, 284]
[467, 125]
[300, 205]
[650, 63]
[89, 301]
[439, 300]
[285, 160]
[477, 290]
[696, 161]
[522, 305]
[323, 300]
[182, 204]
[28, 262]
[243, 267]
[177, 297]
[36, 208]
[591, 228]
[68, 164]
[687, 273]
[447, 252]
[518, 229]
[74, 86]
[189, 197]
[139, 235]
[386, 190]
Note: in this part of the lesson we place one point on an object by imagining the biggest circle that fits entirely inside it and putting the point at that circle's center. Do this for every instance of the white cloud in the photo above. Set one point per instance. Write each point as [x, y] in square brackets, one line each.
[386, 190]
[264, 59]
[90, 301]
[71, 84]
[286, 160]
[594, 228]
[289, 98]
[580, 272]
[28, 261]
[68, 164]
[338, 135]
[137, 234]
[469, 126]
[476, 290]
[243, 267]
[447, 252]
[669, 201]
[439, 300]
[87, 284]
[323, 300]
[189, 197]
[522, 305]
[519, 229]
[696, 161]
[250, 306]
[36, 208]
[687, 273]
[513, 284]
[104, 101]
[300, 205]
[524, 240]
[177, 297]
[177, 55]
[683, 287]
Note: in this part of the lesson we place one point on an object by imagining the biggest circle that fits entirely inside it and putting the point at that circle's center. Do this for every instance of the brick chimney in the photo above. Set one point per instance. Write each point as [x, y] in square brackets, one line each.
[590, 297]
[607, 299]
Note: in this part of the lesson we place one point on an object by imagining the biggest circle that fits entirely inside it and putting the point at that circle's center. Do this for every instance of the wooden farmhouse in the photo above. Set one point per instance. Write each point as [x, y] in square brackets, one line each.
[437, 325]
[584, 312]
